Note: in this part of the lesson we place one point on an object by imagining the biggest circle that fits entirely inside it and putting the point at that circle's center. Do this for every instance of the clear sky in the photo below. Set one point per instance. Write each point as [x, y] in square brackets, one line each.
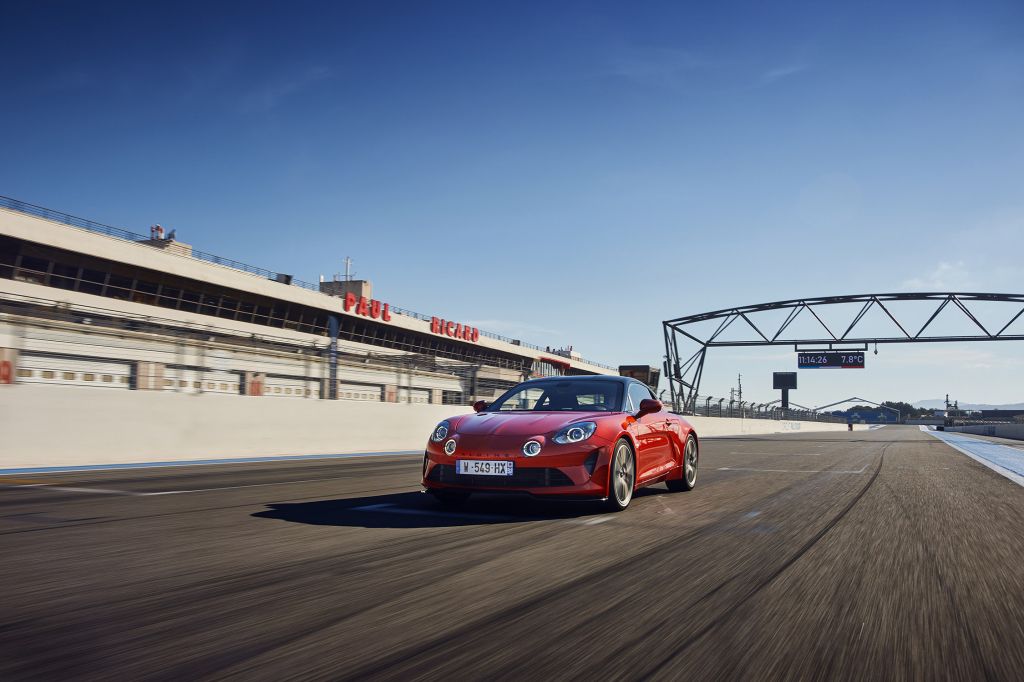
[567, 173]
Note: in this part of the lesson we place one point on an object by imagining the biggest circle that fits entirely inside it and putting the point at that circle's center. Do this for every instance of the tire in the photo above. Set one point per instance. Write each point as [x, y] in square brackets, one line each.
[688, 476]
[621, 476]
[450, 498]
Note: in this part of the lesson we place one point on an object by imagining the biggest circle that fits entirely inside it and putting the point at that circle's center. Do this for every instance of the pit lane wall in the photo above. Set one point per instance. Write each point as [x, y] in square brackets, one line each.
[43, 426]
[1014, 431]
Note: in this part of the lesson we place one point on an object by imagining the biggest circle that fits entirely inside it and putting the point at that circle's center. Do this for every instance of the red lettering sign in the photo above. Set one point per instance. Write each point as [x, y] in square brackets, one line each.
[6, 372]
[367, 307]
[456, 330]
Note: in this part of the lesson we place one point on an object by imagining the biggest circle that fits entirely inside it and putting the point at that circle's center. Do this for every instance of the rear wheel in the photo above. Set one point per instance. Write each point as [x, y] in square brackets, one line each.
[450, 498]
[688, 479]
[622, 476]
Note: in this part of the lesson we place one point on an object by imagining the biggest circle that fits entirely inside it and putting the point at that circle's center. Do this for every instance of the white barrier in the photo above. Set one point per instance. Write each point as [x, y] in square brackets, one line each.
[71, 425]
[45, 426]
[1014, 431]
[709, 427]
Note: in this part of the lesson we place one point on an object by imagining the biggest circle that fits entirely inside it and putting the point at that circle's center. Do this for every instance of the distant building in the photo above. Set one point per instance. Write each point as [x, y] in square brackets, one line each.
[114, 309]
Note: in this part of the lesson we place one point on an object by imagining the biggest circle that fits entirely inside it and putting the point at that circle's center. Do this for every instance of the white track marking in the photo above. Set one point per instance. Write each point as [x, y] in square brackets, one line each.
[68, 489]
[237, 487]
[132, 493]
[984, 452]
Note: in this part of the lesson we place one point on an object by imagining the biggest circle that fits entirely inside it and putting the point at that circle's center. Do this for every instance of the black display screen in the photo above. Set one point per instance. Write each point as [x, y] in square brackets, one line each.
[781, 380]
[830, 359]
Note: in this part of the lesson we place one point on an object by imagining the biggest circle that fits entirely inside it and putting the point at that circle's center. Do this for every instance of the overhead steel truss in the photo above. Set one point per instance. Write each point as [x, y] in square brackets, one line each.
[685, 369]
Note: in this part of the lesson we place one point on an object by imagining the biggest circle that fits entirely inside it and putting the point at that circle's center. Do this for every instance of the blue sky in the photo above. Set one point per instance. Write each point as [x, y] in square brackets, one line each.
[568, 173]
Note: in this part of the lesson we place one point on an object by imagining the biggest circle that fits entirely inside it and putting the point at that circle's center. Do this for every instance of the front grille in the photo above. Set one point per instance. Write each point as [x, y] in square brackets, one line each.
[520, 478]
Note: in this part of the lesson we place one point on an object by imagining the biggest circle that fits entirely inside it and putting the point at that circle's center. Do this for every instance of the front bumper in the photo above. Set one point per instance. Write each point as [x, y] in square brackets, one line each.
[580, 472]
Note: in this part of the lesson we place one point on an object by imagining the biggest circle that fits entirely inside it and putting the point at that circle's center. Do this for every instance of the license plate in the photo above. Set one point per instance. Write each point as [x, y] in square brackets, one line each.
[483, 467]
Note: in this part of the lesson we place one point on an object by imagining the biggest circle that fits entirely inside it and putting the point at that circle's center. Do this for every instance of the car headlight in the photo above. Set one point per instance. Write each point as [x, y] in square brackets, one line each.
[531, 448]
[440, 432]
[575, 433]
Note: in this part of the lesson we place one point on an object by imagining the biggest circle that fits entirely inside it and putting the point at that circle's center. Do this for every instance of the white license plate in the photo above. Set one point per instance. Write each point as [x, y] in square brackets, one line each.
[483, 467]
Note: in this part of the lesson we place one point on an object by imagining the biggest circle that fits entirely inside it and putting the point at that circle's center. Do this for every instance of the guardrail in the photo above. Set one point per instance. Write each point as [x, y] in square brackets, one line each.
[127, 235]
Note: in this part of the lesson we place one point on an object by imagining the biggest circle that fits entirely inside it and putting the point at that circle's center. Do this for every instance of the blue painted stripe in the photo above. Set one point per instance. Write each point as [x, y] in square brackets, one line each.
[1003, 459]
[199, 462]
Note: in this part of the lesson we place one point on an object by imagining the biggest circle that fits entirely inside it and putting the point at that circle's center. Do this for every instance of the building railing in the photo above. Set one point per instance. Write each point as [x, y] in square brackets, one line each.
[127, 235]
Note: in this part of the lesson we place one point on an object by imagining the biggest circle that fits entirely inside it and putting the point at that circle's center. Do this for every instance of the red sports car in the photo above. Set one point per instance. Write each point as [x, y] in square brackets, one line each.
[597, 437]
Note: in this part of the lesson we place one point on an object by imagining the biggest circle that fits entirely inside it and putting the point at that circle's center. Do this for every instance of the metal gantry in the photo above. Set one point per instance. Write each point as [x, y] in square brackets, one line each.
[686, 347]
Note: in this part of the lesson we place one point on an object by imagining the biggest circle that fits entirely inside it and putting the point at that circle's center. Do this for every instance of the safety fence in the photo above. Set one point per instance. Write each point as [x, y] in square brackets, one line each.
[707, 406]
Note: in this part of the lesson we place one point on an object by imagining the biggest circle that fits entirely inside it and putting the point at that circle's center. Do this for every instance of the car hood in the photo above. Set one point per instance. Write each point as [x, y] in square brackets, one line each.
[521, 423]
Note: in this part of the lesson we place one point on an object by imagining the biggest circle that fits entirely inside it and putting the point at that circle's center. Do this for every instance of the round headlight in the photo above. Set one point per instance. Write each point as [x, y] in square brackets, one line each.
[449, 447]
[440, 431]
[575, 434]
[531, 448]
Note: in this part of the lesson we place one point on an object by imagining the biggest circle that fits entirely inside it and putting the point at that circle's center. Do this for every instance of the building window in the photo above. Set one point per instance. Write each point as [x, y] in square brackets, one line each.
[33, 270]
[92, 282]
[119, 287]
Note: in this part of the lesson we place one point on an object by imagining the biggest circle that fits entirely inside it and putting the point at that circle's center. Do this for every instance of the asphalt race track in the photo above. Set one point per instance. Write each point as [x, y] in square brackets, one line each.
[868, 555]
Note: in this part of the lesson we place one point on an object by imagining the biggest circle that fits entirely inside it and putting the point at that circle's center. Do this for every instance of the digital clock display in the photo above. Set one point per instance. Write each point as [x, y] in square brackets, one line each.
[830, 359]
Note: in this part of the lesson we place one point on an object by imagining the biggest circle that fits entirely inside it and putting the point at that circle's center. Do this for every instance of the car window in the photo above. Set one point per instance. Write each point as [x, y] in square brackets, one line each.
[559, 395]
[525, 399]
[638, 392]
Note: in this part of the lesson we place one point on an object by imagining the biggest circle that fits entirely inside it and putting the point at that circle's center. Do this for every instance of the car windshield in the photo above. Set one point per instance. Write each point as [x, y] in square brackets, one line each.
[563, 395]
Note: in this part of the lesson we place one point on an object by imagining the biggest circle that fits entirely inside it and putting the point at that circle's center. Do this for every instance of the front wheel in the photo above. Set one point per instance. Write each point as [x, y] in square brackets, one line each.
[688, 479]
[621, 477]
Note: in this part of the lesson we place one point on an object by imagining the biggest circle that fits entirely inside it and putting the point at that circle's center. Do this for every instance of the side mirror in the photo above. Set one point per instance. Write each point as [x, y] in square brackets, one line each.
[480, 405]
[648, 406]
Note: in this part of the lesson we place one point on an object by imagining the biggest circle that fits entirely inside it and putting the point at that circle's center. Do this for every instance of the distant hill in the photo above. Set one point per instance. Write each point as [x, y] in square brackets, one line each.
[940, 404]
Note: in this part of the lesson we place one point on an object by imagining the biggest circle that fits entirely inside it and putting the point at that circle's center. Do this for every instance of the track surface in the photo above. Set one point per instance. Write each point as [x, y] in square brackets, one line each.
[868, 555]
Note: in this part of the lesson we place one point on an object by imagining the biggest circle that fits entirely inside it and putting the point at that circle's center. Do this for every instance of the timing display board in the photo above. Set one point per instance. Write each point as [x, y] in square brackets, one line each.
[830, 359]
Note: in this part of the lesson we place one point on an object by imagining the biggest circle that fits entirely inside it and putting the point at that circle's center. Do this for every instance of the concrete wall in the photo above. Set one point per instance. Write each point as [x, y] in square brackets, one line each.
[48, 426]
[708, 427]
[1015, 431]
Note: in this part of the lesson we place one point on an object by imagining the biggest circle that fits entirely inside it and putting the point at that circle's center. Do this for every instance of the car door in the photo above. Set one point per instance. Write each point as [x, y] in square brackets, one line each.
[654, 454]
